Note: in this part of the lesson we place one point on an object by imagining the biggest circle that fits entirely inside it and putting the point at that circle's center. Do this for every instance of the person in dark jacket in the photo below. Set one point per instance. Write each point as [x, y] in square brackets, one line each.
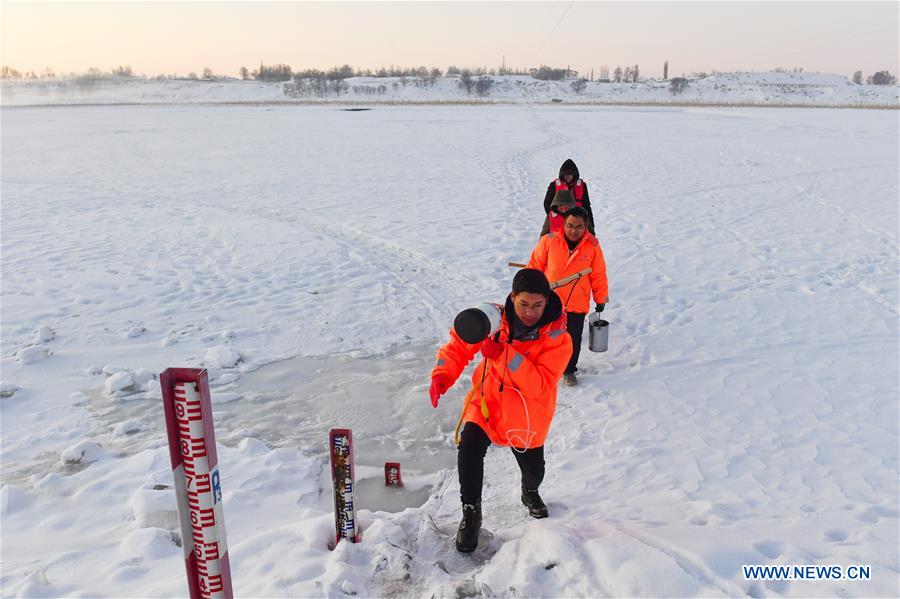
[569, 179]
[559, 207]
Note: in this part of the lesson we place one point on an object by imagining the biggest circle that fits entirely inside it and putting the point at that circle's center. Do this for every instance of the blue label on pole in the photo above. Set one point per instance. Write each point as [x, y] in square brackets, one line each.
[216, 487]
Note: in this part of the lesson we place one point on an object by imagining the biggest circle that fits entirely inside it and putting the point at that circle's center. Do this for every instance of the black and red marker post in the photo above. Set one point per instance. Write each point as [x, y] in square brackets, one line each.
[340, 443]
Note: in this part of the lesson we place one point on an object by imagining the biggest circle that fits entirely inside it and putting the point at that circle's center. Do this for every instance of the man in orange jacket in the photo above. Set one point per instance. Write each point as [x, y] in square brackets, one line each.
[513, 394]
[561, 255]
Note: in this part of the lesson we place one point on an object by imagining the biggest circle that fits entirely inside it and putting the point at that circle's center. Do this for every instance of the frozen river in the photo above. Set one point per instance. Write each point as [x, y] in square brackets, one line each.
[746, 412]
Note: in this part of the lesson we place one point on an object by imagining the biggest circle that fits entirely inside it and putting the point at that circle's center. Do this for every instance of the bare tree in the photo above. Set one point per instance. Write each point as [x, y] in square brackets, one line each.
[338, 86]
[244, 73]
[678, 85]
[635, 73]
[883, 78]
[617, 74]
[342, 72]
[278, 72]
[483, 85]
[208, 74]
[857, 78]
[9, 73]
[465, 81]
[545, 73]
[666, 71]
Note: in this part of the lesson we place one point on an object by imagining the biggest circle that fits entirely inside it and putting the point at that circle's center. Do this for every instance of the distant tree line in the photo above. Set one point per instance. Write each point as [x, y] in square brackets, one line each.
[627, 75]
[283, 72]
[879, 78]
[48, 73]
[317, 87]
[470, 79]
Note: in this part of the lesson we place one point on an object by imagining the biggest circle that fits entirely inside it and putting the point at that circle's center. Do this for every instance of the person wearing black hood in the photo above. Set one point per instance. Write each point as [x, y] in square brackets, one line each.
[512, 399]
[570, 180]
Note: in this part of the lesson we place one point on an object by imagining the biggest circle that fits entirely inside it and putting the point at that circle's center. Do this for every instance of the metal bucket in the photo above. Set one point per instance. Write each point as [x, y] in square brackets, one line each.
[598, 333]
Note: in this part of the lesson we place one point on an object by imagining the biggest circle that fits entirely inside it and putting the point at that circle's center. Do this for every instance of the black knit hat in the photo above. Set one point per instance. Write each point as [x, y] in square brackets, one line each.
[530, 280]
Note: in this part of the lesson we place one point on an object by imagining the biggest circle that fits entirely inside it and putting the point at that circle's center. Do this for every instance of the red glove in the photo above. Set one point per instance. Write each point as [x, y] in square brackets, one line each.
[491, 349]
[439, 386]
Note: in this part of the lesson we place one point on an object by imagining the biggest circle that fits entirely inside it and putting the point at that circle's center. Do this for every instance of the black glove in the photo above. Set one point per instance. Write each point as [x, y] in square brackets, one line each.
[599, 308]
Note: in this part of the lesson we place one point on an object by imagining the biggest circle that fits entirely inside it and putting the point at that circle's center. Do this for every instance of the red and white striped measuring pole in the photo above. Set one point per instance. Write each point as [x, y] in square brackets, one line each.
[192, 449]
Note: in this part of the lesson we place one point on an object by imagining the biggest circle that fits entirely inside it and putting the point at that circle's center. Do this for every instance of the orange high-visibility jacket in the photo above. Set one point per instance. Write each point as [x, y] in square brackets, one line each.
[519, 389]
[552, 257]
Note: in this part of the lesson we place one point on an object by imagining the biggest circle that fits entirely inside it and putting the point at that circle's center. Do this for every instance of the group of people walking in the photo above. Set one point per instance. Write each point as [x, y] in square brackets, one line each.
[512, 399]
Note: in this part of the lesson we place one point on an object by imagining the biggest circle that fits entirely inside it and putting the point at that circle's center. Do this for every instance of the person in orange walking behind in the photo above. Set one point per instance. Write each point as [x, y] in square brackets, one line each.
[559, 256]
[513, 395]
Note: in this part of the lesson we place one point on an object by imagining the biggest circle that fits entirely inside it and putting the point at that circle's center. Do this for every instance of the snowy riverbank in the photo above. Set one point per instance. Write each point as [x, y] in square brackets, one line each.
[732, 89]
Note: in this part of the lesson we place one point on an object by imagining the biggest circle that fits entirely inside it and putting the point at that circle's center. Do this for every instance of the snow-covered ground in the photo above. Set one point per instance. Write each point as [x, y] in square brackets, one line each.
[764, 88]
[313, 259]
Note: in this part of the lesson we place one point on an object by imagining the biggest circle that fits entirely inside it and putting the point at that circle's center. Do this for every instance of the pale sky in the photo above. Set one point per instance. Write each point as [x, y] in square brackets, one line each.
[180, 37]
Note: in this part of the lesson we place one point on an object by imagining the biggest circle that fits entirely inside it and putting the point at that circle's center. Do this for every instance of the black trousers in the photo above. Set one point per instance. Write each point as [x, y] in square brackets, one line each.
[575, 326]
[473, 445]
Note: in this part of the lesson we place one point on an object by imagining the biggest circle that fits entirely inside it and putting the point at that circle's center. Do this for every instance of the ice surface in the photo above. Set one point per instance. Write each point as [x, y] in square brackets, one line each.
[746, 411]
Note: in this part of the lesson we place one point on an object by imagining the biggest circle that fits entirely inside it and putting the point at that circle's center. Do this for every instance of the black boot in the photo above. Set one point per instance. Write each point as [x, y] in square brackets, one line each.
[467, 535]
[532, 500]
